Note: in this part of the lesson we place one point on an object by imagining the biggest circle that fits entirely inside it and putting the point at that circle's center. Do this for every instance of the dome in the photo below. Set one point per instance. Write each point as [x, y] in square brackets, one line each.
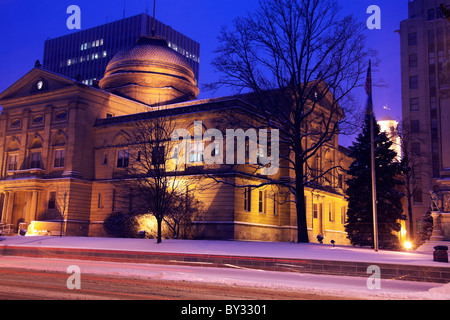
[150, 72]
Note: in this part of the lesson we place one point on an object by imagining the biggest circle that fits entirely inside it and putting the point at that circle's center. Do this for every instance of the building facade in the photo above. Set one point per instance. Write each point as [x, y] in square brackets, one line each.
[64, 149]
[425, 65]
[84, 55]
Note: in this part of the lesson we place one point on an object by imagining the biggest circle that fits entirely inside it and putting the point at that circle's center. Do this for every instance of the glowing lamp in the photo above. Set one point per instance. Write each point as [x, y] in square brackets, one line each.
[407, 245]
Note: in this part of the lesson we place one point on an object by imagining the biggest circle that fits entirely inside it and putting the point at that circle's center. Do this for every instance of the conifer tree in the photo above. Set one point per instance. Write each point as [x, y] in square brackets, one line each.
[359, 225]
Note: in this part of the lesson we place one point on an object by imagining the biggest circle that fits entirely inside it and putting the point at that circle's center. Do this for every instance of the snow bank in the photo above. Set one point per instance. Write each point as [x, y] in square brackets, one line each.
[233, 248]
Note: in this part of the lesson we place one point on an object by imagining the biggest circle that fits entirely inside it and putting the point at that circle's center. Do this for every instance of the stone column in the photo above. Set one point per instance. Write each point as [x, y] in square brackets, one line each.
[9, 210]
[33, 210]
[5, 206]
[437, 227]
[28, 210]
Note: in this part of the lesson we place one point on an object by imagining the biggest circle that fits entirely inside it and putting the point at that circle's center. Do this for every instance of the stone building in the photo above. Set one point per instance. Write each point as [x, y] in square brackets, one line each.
[63, 147]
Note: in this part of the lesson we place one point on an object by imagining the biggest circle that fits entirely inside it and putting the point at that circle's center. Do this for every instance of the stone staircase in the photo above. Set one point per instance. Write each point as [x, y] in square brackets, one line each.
[429, 246]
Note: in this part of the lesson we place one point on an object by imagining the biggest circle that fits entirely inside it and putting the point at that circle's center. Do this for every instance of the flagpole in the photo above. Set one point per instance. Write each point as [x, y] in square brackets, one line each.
[372, 152]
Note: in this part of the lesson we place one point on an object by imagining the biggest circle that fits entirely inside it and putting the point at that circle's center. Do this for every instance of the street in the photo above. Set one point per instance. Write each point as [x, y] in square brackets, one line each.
[32, 278]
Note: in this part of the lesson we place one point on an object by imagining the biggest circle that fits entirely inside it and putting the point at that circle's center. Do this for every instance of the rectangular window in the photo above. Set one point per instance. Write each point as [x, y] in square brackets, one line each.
[315, 211]
[414, 104]
[412, 39]
[430, 14]
[276, 205]
[413, 60]
[158, 155]
[417, 172]
[262, 201]
[59, 158]
[340, 181]
[415, 126]
[417, 197]
[99, 201]
[415, 148]
[35, 160]
[431, 58]
[12, 162]
[343, 214]
[247, 199]
[196, 154]
[123, 158]
[331, 211]
[52, 200]
[414, 82]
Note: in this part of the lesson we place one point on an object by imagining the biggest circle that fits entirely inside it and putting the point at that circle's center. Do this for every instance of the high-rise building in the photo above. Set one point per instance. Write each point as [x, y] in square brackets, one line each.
[425, 63]
[84, 55]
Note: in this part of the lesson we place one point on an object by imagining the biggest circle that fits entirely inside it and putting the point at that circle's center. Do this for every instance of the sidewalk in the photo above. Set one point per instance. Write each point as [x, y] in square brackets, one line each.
[275, 256]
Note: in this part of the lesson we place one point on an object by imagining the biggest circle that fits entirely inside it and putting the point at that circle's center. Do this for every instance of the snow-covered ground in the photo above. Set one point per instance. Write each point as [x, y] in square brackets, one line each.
[339, 286]
[235, 248]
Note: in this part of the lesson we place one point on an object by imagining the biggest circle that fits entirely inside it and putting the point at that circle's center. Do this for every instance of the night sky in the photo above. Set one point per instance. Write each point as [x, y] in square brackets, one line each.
[26, 24]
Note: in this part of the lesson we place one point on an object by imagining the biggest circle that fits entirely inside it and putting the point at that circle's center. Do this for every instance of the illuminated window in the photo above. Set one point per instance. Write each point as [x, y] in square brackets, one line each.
[196, 154]
[315, 211]
[343, 214]
[276, 205]
[248, 199]
[331, 211]
[262, 201]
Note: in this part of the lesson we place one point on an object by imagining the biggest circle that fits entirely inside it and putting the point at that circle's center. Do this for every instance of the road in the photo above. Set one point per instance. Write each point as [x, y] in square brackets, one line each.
[32, 278]
[32, 285]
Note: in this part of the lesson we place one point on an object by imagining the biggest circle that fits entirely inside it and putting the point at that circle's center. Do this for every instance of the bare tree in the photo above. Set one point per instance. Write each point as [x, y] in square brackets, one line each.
[184, 217]
[413, 166]
[300, 60]
[62, 205]
[150, 182]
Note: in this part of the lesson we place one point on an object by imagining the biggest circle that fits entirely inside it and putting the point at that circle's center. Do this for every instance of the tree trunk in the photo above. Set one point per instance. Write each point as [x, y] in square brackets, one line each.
[302, 229]
[159, 220]
[410, 217]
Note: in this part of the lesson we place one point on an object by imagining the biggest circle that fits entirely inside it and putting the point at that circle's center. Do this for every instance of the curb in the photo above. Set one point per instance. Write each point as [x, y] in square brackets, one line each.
[341, 268]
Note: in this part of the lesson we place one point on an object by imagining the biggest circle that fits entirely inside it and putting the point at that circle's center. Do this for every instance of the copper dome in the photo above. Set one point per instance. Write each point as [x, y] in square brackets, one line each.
[150, 72]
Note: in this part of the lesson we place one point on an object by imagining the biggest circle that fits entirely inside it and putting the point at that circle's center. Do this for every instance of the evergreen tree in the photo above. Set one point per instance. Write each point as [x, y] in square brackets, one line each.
[359, 225]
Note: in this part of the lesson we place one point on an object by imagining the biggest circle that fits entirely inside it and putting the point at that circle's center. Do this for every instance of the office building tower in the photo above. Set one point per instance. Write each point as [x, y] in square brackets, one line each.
[84, 55]
[425, 64]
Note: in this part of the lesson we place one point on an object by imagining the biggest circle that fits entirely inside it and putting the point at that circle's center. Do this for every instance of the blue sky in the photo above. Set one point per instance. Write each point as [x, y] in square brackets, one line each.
[26, 24]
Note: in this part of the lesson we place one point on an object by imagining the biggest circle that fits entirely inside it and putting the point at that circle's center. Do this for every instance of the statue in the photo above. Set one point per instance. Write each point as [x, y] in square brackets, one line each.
[446, 201]
[434, 202]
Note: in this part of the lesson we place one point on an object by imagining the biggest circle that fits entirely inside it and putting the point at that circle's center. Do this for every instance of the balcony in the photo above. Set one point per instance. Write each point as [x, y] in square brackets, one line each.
[35, 173]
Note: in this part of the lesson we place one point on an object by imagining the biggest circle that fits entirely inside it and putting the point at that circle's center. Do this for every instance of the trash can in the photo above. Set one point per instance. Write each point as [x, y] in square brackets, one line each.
[440, 254]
